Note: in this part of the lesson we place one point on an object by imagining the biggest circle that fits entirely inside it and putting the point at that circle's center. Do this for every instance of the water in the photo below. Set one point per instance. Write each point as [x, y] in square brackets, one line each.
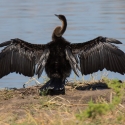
[34, 21]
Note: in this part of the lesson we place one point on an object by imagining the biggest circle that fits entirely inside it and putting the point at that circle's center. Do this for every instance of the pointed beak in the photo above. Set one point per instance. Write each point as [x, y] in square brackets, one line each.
[56, 15]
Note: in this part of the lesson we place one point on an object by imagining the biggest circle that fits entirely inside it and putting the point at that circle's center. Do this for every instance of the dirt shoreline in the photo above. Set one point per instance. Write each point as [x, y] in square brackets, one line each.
[20, 101]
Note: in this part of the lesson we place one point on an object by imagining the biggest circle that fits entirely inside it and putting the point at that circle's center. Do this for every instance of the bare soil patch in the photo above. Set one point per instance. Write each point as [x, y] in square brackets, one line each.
[19, 103]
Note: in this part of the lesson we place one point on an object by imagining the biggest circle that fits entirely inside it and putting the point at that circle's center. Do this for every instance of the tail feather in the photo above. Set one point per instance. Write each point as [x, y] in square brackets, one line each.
[54, 84]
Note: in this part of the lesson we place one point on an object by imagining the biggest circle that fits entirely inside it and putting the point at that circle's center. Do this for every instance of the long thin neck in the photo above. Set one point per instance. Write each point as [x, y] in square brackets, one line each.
[59, 31]
[64, 25]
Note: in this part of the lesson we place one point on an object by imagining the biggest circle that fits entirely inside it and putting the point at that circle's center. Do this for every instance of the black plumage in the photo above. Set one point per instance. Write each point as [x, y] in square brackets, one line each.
[59, 57]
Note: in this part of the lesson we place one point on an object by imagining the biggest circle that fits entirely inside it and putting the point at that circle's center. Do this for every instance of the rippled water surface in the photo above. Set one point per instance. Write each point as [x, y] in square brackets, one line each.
[34, 21]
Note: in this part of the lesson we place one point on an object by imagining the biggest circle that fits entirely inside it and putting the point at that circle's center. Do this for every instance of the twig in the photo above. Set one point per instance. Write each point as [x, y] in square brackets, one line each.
[121, 105]
[57, 97]
[111, 97]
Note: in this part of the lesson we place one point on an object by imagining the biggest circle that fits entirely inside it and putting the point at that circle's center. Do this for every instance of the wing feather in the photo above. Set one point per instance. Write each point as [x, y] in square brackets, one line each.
[98, 54]
[19, 56]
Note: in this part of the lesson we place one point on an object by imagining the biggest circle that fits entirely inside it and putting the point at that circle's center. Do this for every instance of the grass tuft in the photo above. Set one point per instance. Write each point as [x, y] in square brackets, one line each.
[68, 109]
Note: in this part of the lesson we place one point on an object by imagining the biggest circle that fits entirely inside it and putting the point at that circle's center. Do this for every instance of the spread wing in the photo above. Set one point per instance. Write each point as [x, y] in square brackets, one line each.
[20, 57]
[98, 54]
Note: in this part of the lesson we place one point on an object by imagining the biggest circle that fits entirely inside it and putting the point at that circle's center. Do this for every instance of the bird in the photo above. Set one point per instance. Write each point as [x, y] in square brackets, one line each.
[59, 57]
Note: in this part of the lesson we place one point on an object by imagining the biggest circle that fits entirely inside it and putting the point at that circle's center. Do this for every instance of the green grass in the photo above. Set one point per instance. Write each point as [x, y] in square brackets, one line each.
[58, 111]
[96, 111]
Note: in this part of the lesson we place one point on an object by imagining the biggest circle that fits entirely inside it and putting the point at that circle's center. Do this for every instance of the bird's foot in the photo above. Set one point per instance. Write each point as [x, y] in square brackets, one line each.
[54, 86]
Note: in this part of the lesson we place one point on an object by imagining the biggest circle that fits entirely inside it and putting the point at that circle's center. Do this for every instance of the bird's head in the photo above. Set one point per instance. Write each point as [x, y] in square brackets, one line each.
[61, 17]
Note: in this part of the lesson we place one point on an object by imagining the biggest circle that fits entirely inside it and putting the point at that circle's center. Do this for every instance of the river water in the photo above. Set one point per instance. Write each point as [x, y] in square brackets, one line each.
[34, 21]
